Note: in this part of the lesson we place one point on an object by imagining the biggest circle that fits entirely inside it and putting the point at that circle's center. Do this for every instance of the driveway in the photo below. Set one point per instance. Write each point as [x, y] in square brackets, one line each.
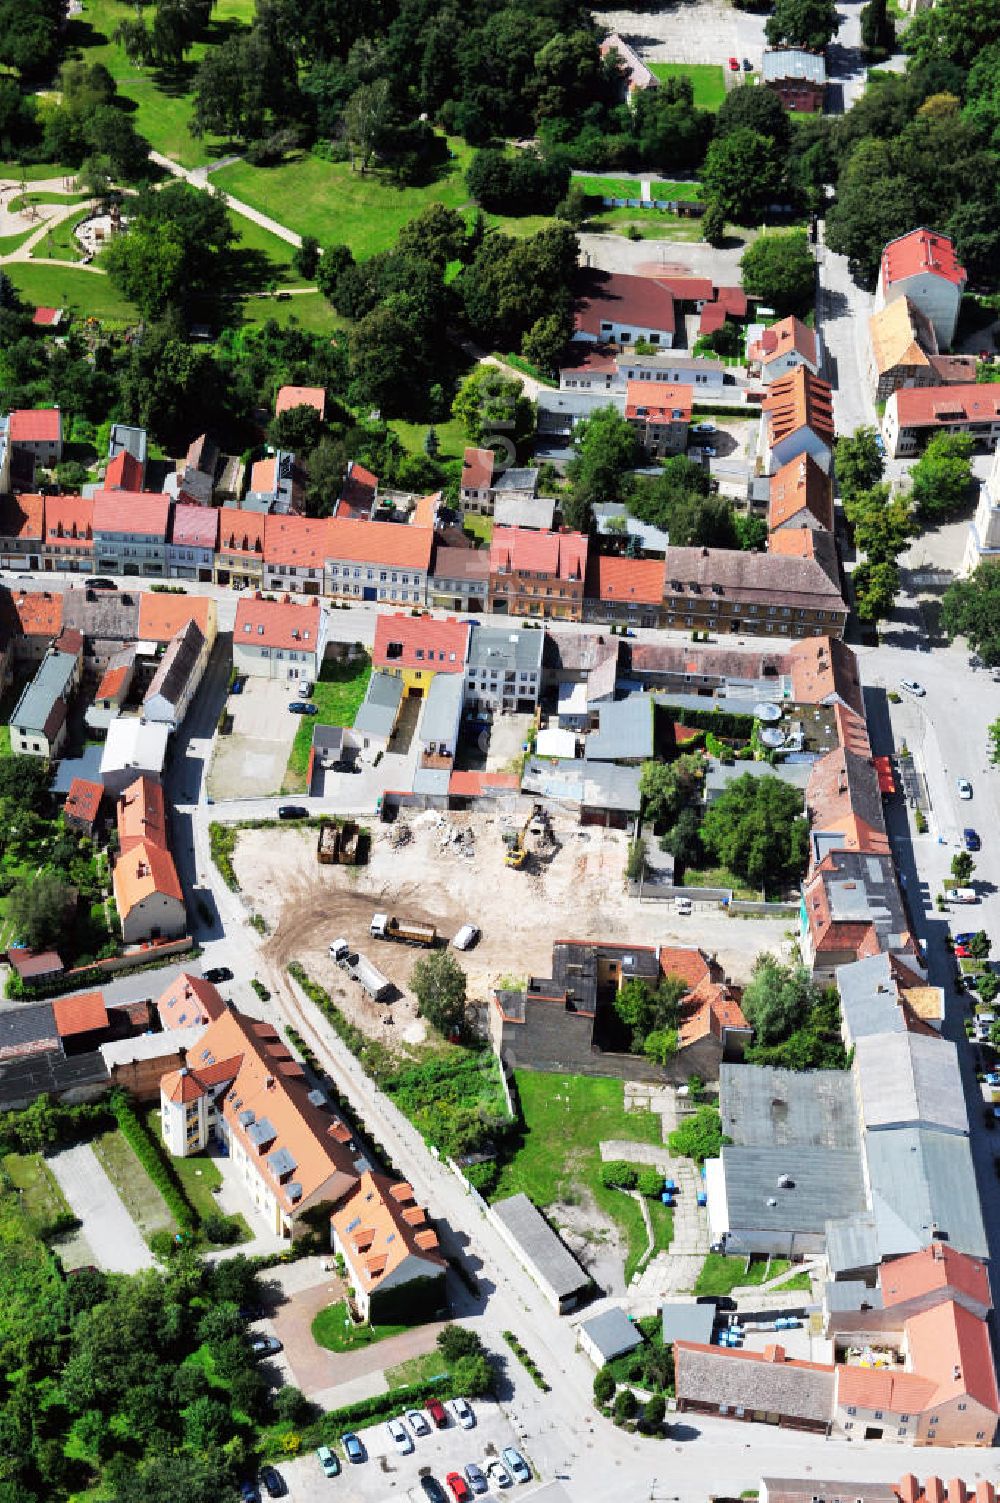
[250, 761]
[109, 1229]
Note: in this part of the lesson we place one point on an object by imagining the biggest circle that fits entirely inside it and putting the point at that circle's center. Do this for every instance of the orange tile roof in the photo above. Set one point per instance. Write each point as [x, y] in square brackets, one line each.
[358, 493]
[298, 541]
[115, 680]
[952, 1347]
[22, 516]
[70, 520]
[921, 251]
[124, 473]
[707, 1011]
[141, 814]
[884, 1388]
[800, 486]
[241, 531]
[934, 1268]
[824, 669]
[940, 406]
[852, 732]
[35, 425]
[136, 513]
[799, 400]
[37, 613]
[788, 335]
[473, 784]
[380, 1227]
[189, 999]
[144, 870]
[301, 396]
[662, 404]
[899, 335]
[628, 579]
[389, 543]
[562, 555]
[403, 641]
[477, 469]
[79, 1014]
[426, 510]
[162, 616]
[843, 798]
[83, 800]
[263, 475]
[692, 966]
[277, 623]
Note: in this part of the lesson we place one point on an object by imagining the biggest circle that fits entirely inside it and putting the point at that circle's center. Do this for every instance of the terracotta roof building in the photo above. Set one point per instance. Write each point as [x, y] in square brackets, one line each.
[914, 414]
[148, 895]
[69, 532]
[189, 1000]
[394, 1261]
[763, 593]
[797, 418]
[785, 346]
[618, 309]
[37, 434]
[660, 416]
[415, 648]
[140, 814]
[844, 805]
[279, 639]
[378, 561]
[624, 590]
[537, 574]
[162, 616]
[193, 537]
[359, 494]
[477, 480]
[923, 267]
[801, 495]
[294, 553]
[22, 529]
[83, 805]
[130, 532]
[240, 557]
[290, 397]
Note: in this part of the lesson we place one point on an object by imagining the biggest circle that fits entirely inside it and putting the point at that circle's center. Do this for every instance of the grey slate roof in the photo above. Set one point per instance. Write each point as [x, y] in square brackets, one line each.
[851, 1243]
[764, 1106]
[516, 480]
[442, 707]
[177, 665]
[720, 775]
[868, 999]
[520, 510]
[793, 62]
[825, 1183]
[910, 1079]
[30, 1024]
[724, 1377]
[540, 1245]
[652, 539]
[612, 1333]
[923, 1185]
[378, 710]
[688, 1322]
[40, 707]
[518, 650]
[625, 731]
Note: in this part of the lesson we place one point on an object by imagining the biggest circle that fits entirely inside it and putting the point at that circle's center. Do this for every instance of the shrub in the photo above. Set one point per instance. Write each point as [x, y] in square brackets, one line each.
[261, 989]
[654, 1412]
[617, 1175]
[222, 845]
[224, 1231]
[649, 1181]
[604, 1385]
[458, 1341]
[626, 1405]
[154, 1161]
[920, 820]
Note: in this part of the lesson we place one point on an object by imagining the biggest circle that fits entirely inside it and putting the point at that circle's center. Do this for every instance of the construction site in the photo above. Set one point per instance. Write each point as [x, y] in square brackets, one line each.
[525, 876]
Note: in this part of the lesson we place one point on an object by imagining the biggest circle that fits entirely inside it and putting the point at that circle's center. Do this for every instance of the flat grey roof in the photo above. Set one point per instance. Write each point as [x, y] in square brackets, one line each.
[612, 1333]
[442, 707]
[150, 1045]
[688, 1323]
[923, 1185]
[851, 1243]
[851, 1294]
[825, 1183]
[516, 480]
[625, 731]
[763, 1106]
[540, 1245]
[910, 1078]
[603, 785]
[432, 780]
[793, 62]
[869, 1001]
[378, 710]
[519, 510]
[512, 649]
[40, 695]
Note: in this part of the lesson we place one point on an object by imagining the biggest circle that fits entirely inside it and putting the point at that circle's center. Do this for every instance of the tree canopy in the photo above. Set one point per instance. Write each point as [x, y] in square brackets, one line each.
[970, 608]
[796, 1023]
[439, 985]
[942, 476]
[757, 829]
[779, 269]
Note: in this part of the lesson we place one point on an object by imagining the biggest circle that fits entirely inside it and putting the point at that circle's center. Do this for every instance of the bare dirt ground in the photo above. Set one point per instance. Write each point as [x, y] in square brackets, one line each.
[594, 1240]
[449, 870]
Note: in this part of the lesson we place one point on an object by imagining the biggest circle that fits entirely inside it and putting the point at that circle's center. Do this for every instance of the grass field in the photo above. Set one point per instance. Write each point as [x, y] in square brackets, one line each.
[708, 79]
[480, 528]
[142, 1199]
[416, 1370]
[199, 1174]
[310, 311]
[334, 1329]
[41, 1198]
[82, 292]
[450, 436]
[10, 243]
[566, 1117]
[649, 224]
[721, 1275]
[60, 244]
[40, 172]
[337, 695]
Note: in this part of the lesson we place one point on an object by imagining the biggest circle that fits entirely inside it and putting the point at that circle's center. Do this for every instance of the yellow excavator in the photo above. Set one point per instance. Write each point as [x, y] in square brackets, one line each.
[516, 841]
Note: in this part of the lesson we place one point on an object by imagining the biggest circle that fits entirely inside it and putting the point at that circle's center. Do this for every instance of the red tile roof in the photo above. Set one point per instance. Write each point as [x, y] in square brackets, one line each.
[687, 289]
[189, 999]
[162, 616]
[918, 252]
[83, 801]
[403, 641]
[241, 532]
[141, 815]
[561, 555]
[884, 1388]
[35, 425]
[389, 543]
[940, 406]
[22, 516]
[124, 473]
[80, 1014]
[713, 316]
[473, 784]
[295, 541]
[263, 475]
[628, 579]
[477, 469]
[195, 526]
[788, 335]
[798, 487]
[301, 396]
[44, 318]
[733, 299]
[30, 964]
[692, 966]
[799, 400]
[639, 302]
[113, 682]
[142, 871]
[139, 513]
[38, 613]
[70, 519]
[277, 623]
[358, 494]
[934, 1268]
[662, 404]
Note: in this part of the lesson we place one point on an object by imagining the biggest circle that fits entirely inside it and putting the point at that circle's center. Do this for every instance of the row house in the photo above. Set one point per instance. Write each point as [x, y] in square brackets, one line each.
[660, 416]
[537, 574]
[923, 267]
[504, 671]
[762, 593]
[914, 414]
[903, 351]
[35, 439]
[69, 534]
[39, 724]
[294, 553]
[22, 531]
[240, 559]
[191, 547]
[378, 561]
[783, 347]
[460, 579]
[417, 648]
[595, 368]
[147, 888]
[626, 591]
[279, 639]
[797, 418]
[130, 532]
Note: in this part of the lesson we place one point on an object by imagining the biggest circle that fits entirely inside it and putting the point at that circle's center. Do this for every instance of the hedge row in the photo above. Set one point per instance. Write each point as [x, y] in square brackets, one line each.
[331, 1426]
[155, 1162]
[527, 1361]
[722, 722]
[375, 1058]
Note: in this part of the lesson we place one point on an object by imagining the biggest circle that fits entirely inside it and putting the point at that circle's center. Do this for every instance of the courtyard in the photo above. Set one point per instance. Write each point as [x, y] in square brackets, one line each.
[250, 757]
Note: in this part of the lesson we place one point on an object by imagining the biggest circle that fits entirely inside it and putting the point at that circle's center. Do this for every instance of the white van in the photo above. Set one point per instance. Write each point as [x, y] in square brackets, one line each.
[961, 895]
[466, 937]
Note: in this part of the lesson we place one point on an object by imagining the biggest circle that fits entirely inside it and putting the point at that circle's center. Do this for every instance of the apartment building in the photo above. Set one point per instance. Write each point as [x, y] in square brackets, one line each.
[192, 542]
[294, 553]
[69, 533]
[22, 531]
[764, 593]
[915, 414]
[923, 267]
[240, 559]
[660, 416]
[537, 574]
[278, 639]
[378, 561]
[130, 533]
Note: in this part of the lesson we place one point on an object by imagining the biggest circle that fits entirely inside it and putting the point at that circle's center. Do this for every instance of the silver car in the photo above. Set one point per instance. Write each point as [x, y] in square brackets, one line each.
[400, 1436]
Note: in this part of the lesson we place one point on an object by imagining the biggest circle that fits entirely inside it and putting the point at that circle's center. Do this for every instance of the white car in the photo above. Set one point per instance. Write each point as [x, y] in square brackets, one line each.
[964, 788]
[462, 1410]
[466, 937]
[399, 1436]
[912, 687]
[418, 1421]
[498, 1474]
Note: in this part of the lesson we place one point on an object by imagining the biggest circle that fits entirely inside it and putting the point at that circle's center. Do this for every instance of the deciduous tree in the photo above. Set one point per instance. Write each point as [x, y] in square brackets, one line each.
[779, 269]
[439, 986]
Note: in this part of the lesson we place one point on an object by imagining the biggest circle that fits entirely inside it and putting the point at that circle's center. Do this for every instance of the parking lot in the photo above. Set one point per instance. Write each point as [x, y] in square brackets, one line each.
[705, 32]
[250, 761]
[387, 1474]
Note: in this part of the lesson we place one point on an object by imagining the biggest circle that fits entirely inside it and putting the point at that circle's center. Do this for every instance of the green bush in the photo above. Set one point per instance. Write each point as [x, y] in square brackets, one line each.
[617, 1175]
[154, 1161]
[455, 1101]
[224, 1231]
[920, 820]
[261, 989]
[604, 1385]
[649, 1181]
[48, 1124]
[527, 1361]
[626, 1405]
[222, 845]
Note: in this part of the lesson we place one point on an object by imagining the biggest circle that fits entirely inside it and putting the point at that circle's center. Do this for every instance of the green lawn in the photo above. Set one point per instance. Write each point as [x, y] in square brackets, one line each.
[566, 1117]
[5, 750]
[309, 311]
[709, 80]
[334, 1329]
[10, 243]
[450, 436]
[626, 187]
[199, 1174]
[719, 876]
[478, 527]
[416, 1370]
[13, 172]
[60, 243]
[648, 224]
[84, 293]
[41, 1198]
[721, 1275]
[337, 695]
[142, 1199]
[46, 198]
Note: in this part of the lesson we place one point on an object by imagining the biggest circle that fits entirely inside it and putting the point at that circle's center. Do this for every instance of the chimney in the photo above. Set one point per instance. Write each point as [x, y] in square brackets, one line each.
[909, 1488]
[774, 1354]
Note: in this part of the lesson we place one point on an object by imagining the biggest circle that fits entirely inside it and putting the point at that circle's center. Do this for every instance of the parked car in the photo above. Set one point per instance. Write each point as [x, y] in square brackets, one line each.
[98, 583]
[433, 1490]
[328, 1461]
[964, 939]
[292, 811]
[265, 1346]
[417, 1421]
[352, 1445]
[460, 1489]
[476, 1478]
[513, 1459]
[747, 65]
[703, 428]
[964, 788]
[971, 840]
[466, 937]
[963, 952]
[249, 1492]
[734, 65]
[306, 688]
[912, 687]
[462, 1410]
[498, 1474]
[437, 1412]
[217, 973]
[236, 687]
[301, 707]
[400, 1436]
[880, 443]
[274, 1482]
[961, 895]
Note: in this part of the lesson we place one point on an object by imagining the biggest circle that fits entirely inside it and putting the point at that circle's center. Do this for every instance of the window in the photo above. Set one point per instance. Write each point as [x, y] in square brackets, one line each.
[963, 1406]
[848, 1424]
[851, 1409]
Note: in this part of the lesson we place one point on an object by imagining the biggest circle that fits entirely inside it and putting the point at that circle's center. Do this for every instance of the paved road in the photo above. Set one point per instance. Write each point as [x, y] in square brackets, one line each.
[109, 1229]
[842, 312]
